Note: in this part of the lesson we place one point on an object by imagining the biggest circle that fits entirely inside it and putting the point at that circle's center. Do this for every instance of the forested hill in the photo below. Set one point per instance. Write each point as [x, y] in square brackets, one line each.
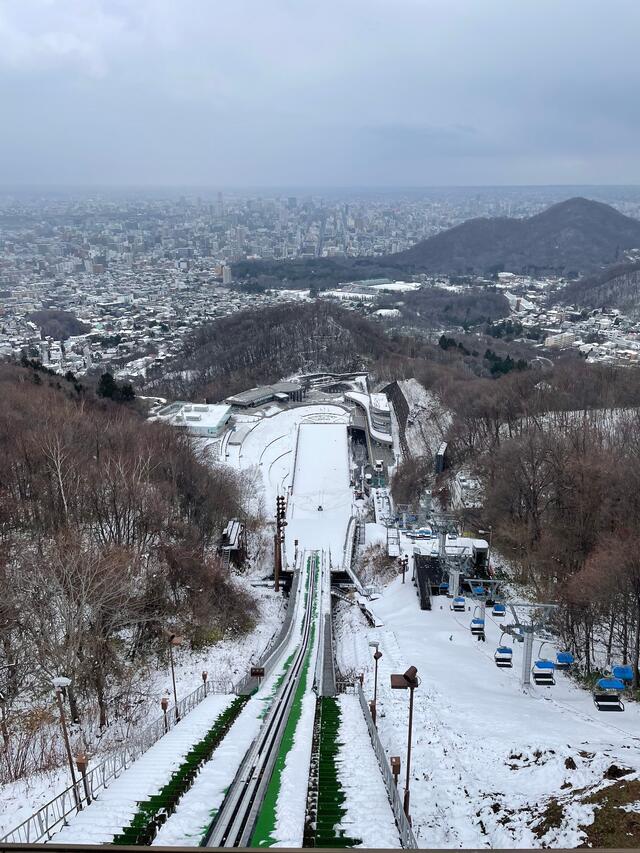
[108, 530]
[250, 347]
[616, 287]
[574, 237]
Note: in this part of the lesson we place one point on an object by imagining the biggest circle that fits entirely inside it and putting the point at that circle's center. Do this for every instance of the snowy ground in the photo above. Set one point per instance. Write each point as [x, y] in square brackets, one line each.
[269, 442]
[487, 757]
[321, 481]
[292, 797]
[117, 804]
[226, 662]
[193, 815]
[361, 781]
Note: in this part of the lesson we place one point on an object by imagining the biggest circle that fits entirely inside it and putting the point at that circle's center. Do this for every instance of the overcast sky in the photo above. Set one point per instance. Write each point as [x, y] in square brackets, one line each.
[330, 93]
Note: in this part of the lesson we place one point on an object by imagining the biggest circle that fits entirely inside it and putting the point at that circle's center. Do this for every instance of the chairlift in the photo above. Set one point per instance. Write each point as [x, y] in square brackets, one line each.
[564, 660]
[499, 610]
[477, 626]
[606, 695]
[478, 590]
[624, 672]
[459, 605]
[443, 589]
[503, 657]
[543, 671]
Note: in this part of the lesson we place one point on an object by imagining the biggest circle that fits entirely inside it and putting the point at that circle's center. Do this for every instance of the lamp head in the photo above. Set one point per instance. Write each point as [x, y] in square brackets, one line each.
[411, 676]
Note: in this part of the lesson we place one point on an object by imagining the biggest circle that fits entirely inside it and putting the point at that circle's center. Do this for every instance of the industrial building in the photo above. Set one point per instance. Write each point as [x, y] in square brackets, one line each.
[199, 419]
[284, 392]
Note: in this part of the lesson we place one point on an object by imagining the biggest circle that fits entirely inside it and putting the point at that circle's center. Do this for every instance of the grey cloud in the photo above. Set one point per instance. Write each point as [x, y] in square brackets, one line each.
[243, 92]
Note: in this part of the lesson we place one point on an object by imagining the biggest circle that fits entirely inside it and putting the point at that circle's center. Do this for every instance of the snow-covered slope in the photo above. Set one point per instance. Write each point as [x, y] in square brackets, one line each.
[320, 504]
[488, 758]
[427, 422]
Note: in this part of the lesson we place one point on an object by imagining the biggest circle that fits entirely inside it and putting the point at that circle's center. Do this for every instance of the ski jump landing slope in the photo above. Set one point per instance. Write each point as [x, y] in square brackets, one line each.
[321, 479]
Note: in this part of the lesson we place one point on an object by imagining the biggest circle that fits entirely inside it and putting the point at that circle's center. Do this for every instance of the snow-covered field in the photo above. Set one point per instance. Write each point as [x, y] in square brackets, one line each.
[320, 504]
[361, 781]
[487, 757]
[269, 443]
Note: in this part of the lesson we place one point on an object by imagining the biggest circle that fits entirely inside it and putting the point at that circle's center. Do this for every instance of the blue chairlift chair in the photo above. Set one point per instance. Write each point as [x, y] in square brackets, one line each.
[503, 657]
[477, 626]
[624, 672]
[543, 670]
[606, 694]
[543, 673]
[564, 660]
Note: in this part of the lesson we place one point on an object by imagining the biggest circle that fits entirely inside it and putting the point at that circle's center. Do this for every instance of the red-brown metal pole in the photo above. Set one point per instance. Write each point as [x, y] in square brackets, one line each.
[406, 785]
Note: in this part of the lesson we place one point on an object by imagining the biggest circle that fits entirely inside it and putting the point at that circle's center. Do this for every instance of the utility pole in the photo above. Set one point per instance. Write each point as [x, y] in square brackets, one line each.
[376, 656]
[281, 511]
[409, 680]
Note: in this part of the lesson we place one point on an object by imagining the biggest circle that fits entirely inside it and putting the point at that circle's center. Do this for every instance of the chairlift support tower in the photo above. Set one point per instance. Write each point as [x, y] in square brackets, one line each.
[482, 599]
[540, 614]
[443, 524]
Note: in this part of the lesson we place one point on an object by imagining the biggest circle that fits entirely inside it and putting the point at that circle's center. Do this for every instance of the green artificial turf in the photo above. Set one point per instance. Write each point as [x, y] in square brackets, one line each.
[152, 813]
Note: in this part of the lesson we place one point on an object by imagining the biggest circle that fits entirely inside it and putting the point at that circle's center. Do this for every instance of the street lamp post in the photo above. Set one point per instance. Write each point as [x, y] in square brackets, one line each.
[407, 681]
[60, 683]
[174, 640]
[164, 704]
[205, 675]
[82, 762]
[404, 564]
[376, 656]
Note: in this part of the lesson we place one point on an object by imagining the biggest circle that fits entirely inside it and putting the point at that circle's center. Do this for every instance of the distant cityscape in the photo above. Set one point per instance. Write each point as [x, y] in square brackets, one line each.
[138, 272]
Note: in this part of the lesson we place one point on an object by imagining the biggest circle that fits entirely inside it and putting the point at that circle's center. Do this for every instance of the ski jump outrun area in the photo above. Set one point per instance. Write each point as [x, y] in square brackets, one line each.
[487, 755]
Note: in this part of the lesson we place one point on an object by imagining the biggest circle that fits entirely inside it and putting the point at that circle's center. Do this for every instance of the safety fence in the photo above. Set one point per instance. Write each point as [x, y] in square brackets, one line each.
[54, 814]
[347, 560]
[404, 827]
[250, 683]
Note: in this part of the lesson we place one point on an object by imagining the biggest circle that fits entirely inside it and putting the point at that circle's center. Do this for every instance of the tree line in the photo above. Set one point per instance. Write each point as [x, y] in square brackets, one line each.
[558, 453]
[108, 533]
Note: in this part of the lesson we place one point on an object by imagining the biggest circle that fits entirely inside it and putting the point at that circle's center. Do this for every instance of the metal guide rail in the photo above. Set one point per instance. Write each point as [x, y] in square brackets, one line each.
[235, 821]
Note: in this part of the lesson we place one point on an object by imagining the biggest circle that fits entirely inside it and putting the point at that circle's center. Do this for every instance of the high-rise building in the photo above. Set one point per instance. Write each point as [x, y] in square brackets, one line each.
[227, 278]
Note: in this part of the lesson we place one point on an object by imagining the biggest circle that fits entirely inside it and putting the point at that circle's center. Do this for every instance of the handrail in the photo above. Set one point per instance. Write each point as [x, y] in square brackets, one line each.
[407, 837]
[249, 683]
[295, 459]
[369, 589]
[48, 819]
